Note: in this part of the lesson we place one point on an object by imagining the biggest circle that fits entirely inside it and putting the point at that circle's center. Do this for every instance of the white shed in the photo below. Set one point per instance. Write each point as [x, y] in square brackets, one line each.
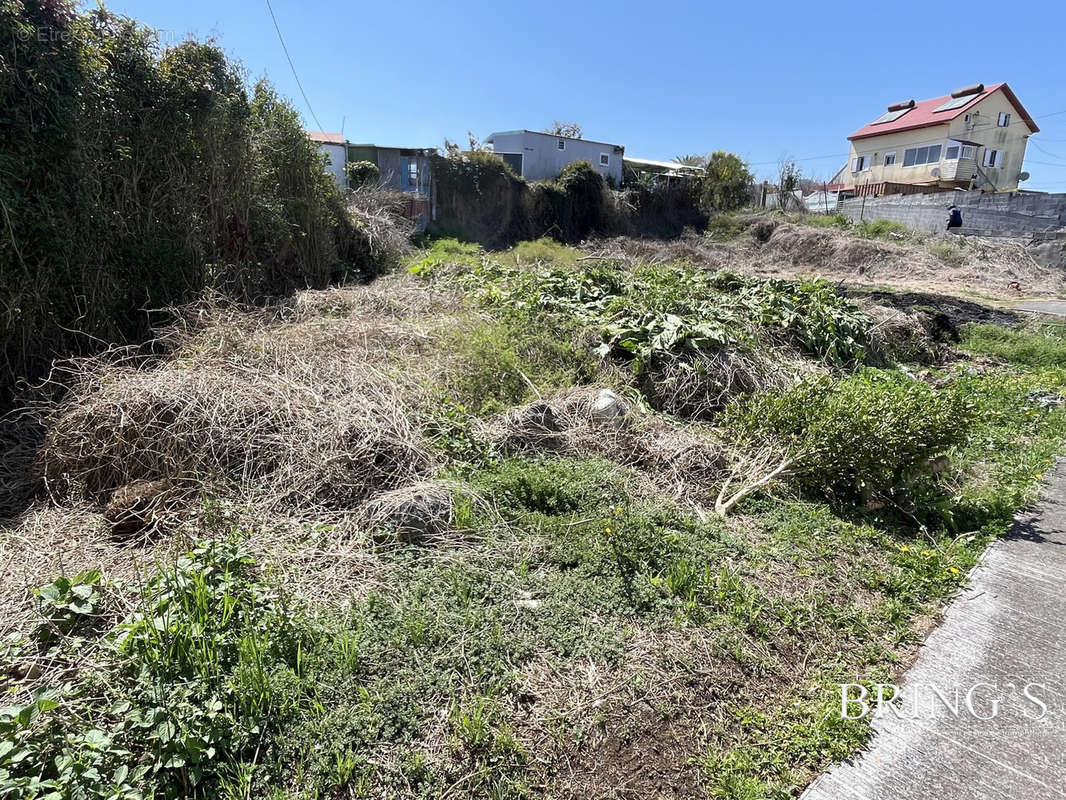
[540, 156]
[336, 150]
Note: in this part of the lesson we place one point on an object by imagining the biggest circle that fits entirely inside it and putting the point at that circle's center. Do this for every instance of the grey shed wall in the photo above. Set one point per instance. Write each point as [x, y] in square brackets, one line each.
[543, 160]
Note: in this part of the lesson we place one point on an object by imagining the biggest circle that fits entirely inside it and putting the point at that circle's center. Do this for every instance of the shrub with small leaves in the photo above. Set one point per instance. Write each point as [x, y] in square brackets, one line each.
[872, 429]
[362, 173]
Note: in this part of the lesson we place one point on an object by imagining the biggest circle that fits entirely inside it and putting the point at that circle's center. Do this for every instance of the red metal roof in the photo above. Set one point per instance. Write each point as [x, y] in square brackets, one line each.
[924, 114]
[325, 137]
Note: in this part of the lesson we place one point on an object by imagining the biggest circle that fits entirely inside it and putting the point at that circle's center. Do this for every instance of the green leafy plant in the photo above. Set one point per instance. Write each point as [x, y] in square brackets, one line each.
[67, 603]
[870, 430]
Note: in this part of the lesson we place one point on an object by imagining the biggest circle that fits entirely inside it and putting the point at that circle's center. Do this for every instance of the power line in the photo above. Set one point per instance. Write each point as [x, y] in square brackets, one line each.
[1045, 151]
[292, 66]
[1045, 163]
[806, 158]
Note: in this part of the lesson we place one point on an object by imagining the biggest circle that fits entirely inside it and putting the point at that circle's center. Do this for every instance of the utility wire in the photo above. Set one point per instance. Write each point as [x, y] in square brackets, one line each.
[806, 158]
[292, 66]
[1044, 150]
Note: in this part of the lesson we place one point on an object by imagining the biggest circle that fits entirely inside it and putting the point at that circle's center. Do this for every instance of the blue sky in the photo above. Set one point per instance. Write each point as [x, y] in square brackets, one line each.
[761, 79]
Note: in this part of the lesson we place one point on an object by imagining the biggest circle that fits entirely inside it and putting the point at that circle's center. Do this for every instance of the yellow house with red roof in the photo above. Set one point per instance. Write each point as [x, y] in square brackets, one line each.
[973, 138]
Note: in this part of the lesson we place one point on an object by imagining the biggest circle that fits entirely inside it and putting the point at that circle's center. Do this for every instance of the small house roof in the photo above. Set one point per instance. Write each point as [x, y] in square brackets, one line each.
[325, 137]
[924, 113]
[491, 136]
[392, 147]
[668, 165]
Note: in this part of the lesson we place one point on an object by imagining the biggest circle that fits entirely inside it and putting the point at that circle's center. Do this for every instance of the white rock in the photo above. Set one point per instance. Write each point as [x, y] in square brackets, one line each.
[608, 406]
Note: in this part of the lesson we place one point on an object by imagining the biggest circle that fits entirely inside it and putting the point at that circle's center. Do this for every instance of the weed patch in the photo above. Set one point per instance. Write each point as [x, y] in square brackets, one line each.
[1039, 346]
[883, 229]
[823, 221]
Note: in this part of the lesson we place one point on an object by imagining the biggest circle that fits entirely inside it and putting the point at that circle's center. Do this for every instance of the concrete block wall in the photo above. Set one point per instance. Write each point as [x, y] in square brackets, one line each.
[1004, 214]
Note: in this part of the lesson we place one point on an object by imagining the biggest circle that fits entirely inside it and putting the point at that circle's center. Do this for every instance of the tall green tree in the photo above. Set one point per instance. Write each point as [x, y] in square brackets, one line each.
[727, 182]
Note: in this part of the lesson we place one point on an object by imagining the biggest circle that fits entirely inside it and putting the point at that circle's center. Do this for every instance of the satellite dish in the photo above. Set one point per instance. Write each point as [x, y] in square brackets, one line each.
[1023, 176]
[935, 172]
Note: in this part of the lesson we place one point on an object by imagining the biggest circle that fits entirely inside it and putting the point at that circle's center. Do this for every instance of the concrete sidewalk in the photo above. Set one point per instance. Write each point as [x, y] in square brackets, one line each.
[1056, 308]
[1005, 633]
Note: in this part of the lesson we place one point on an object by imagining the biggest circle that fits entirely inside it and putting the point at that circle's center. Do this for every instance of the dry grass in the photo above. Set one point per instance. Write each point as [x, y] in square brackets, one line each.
[773, 247]
[381, 217]
[698, 385]
[289, 417]
[685, 461]
[978, 264]
[287, 436]
[902, 336]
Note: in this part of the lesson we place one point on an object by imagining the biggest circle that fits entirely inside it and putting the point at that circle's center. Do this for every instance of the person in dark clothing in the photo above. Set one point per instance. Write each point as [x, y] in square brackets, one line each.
[954, 216]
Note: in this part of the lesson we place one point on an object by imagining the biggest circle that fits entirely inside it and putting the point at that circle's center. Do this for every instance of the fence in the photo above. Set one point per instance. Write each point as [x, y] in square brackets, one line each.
[1004, 214]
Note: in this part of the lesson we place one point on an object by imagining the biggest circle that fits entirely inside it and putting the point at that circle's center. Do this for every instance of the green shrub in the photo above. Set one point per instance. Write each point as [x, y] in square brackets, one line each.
[873, 429]
[824, 221]
[541, 251]
[479, 198]
[68, 603]
[198, 679]
[552, 486]
[498, 364]
[727, 182]
[660, 210]
[882, 229]
[444, 252]
[1042, 346]
[586, 201]
[134, 177]
[362, 173]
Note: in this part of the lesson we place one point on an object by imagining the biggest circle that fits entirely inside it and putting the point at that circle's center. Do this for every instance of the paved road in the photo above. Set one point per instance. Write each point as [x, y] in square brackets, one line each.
[1054, 307]
[1006, 631]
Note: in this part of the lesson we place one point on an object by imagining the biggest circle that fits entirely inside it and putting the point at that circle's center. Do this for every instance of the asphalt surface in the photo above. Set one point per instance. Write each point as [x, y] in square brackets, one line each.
[1054, 307]
[1002, 638]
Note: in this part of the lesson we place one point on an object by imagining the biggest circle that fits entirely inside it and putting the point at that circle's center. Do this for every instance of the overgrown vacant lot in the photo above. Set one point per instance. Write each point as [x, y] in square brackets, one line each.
[540, 523]
[873, 253]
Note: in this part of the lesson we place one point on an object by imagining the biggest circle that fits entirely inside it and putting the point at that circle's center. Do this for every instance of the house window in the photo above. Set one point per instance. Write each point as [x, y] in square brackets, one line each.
[957, 150]
[916, 156]
[860, 163]
[993, 158]
[412, 173]
[562, 144]
[890, 159]
[1004, 119]
[605, 160]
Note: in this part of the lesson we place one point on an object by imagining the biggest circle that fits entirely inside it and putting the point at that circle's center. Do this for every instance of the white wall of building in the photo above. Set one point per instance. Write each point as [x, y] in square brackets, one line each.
[543, 158]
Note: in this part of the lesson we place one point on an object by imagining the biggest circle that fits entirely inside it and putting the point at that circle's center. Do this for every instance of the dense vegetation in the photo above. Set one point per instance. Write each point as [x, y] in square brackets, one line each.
[134, 177]
[540, 522]
[480, 199]
[562, 625]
